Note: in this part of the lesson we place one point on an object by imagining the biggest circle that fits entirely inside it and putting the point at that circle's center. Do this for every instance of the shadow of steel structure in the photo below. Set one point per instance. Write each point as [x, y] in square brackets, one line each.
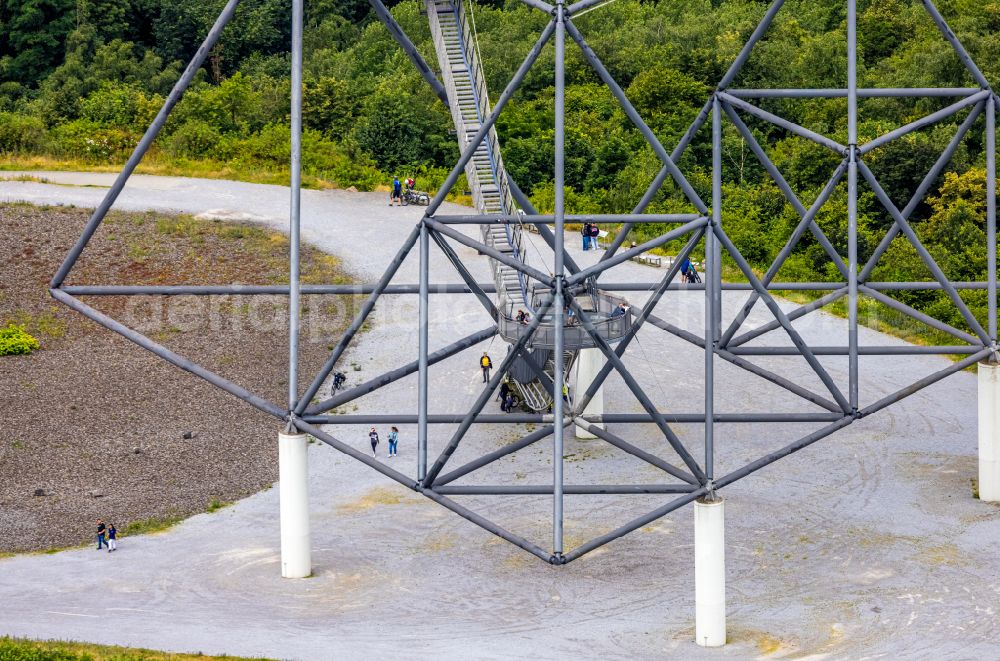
[690, 478]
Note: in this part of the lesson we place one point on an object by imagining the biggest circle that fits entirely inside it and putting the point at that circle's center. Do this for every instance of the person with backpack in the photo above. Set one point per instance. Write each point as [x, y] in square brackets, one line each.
[373, 438]
[393, 440]
[112, 537]
[101, 531]
[486, 364]
[586, 236]
[397, 192]
[689, 272]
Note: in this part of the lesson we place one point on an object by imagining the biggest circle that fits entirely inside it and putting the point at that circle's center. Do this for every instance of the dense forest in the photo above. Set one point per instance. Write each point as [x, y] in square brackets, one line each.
[80, 80]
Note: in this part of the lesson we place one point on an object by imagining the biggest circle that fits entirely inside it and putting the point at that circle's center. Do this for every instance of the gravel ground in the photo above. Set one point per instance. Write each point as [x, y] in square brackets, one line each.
[99, 425]
[867, 545]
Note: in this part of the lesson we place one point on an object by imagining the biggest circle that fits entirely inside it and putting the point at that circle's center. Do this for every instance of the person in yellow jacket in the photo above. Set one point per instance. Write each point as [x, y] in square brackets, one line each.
[486, 364]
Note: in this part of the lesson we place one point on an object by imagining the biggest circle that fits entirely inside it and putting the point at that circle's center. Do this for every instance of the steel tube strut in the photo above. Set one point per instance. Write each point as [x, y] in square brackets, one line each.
[545, 220]
[470, 282]
[932, 118]
[488, 525]
[423, 360]
[755, 36]
[640, 395]
[711, 290]
[559, 356]
[661, 288]
[295, 217]
[883, 350]
[168, 355]
[921, 192]
[636, 119]
[548, 418]
[634, 524]
[577, 489]
[661, 176]
[491, 457]
[730, 357]
[925, 256]
[146, 142]
[852, 202]
[963, 55]
[392, 376]
[869, 93]
[358, 322]
[798, 312]
[600, 267]
[928, 380]
[800, 131]
[487, 250]
[776, 310]
[807, 221]
[991, 216]
[699, 121]
[637, 452]
[919, 316]
[397, 33]
[543, 229]
[485, 395]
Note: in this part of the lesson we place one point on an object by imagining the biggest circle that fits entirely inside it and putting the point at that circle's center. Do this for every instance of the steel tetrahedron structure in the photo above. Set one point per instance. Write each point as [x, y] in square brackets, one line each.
[576, 312]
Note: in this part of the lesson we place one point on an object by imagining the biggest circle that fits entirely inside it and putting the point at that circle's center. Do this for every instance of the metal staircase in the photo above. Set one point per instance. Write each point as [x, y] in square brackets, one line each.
[462, 75]
[453, 31]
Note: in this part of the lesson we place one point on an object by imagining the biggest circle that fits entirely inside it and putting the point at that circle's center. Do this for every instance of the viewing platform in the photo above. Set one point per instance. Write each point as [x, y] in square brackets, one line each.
[601, 308]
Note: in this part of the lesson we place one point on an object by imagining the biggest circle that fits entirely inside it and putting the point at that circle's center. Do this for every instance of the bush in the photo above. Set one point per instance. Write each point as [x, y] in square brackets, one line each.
[15, 341]
[194, 139]
[117, 105]
[20, 133]
[90, 141]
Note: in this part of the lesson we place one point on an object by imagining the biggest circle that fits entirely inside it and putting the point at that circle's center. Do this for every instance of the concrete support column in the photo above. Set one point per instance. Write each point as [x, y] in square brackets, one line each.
[710, 572]
[293, 494]
[588, 363]
[989, 432]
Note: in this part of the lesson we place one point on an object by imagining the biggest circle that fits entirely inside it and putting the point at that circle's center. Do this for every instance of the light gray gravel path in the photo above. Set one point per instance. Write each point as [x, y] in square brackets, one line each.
[866, 545]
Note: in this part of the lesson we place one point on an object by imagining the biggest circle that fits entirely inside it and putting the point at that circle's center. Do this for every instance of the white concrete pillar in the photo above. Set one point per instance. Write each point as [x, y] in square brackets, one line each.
[710, 572]
[989, 432]
[588, 363]
[293, 494]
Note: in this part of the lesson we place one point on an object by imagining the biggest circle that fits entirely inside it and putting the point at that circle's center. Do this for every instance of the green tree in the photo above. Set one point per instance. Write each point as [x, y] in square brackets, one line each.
[32, 34]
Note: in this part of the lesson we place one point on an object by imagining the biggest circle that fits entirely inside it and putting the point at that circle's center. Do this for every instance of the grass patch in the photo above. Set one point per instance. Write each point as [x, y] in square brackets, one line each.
[215, 505]
[41, 323]
[19, 649]
[151, 525]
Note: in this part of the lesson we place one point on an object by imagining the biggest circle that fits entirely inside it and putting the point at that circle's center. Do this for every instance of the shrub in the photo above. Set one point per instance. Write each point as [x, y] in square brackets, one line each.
[117, 105]
[15, 341]
[85, 139]
[195, 138]
[20, 133]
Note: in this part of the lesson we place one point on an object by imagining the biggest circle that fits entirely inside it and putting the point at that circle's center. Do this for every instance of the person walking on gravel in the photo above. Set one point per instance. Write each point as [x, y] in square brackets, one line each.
[112, 537]
[393, 440]
[373, 437]
[101, 530]
[487, 365]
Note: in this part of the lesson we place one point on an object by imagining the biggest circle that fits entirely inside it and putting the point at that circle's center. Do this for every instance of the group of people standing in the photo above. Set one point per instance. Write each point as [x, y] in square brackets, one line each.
[107, 536]
[590, 232]
[393, 441]
[397, 190]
